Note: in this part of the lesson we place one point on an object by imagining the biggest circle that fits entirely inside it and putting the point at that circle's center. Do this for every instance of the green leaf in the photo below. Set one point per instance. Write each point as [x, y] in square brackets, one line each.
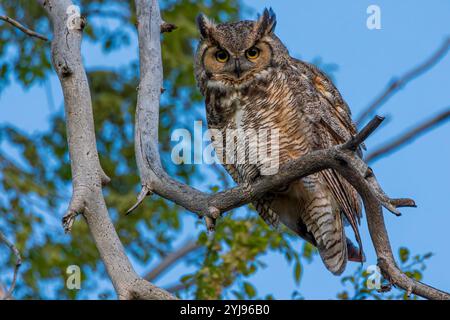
[297, 272]
[249, 290]
[403, 254]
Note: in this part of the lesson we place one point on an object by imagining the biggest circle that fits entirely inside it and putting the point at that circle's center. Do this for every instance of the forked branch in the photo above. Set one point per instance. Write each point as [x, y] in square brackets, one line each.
[87, 174]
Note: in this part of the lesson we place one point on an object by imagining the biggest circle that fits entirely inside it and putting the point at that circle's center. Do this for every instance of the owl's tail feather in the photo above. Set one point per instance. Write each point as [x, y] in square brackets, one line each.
[354, 253]
[326, 225]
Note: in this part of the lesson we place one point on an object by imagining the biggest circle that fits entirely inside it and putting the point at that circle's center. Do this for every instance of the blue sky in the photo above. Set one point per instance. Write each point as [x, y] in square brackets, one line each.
[336, 31]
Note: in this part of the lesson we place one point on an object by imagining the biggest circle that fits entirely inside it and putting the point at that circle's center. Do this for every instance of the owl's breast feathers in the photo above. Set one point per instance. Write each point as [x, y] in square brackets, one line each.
[308, 112]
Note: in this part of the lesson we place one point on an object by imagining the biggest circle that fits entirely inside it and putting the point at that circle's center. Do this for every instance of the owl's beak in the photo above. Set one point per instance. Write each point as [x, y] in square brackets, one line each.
[237, 67]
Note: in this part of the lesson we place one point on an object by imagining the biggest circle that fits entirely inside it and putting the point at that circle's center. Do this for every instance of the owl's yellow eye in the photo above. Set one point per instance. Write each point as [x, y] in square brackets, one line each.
[252, 53]
[222, 56]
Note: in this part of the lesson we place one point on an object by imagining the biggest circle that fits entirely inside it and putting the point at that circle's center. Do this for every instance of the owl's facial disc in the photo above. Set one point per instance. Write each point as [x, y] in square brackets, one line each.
[236, 66]
[235, 53]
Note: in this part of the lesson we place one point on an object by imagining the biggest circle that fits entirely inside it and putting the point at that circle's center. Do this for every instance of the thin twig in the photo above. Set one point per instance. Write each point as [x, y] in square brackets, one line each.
[397, 84]
[16, 253]
[145, 191]
[22, 28]
[408, 136]
[174, 288]
[172, 258]
[357, 140]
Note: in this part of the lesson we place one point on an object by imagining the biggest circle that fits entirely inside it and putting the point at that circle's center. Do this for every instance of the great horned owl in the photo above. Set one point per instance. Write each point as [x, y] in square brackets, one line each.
[249, 80]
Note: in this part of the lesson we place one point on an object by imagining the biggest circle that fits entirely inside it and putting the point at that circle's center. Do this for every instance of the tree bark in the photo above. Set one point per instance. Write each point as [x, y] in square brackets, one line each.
[87, 174]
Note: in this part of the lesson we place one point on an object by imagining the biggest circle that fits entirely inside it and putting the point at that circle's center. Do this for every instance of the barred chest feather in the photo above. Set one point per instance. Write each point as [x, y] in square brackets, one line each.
[267, 103]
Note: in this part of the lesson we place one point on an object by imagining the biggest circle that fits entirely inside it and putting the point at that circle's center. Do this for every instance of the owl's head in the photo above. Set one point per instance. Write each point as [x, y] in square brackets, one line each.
[235, 53]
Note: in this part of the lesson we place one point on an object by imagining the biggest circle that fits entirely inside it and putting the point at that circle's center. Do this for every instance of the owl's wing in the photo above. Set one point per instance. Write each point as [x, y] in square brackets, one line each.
[336, 114]
[332, 124]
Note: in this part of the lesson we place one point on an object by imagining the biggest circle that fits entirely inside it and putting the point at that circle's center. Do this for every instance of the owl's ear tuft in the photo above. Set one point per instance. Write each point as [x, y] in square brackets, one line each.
[206, 26]
[266, 23]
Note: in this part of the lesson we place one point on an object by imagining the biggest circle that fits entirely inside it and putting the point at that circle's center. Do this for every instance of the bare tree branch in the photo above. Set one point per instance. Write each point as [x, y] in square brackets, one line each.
[22, 28]
[17, 265]
[397, 84]
[364, 185]
[408, 136]
[87, 174]
[172, 258]
[341, 158]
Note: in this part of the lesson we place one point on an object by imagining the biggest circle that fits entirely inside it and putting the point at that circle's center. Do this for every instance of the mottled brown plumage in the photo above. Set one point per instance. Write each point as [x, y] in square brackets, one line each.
[250, 82]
